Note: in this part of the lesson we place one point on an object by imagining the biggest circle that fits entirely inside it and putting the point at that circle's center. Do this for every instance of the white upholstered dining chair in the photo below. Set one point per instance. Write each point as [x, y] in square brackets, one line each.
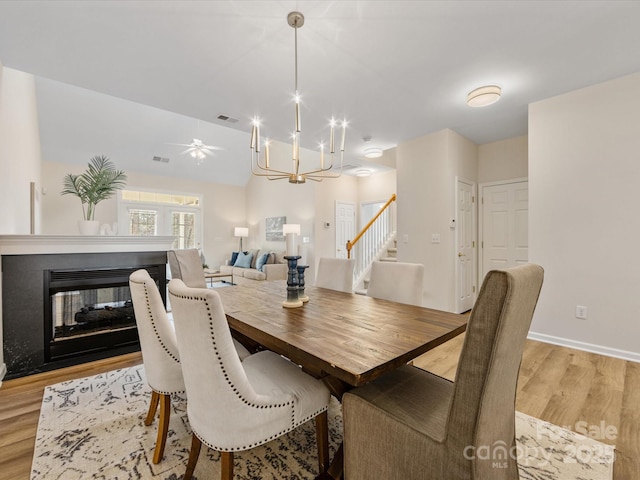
[232, 405]
[187, 266]
[335, 274]
[159, 352]
[397, 281]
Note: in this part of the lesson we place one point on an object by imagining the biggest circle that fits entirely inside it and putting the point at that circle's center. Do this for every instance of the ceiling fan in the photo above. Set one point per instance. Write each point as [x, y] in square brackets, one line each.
[197, 149]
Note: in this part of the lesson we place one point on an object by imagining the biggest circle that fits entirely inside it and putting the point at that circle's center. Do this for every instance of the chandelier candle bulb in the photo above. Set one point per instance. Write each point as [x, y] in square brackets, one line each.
[266, 152]
[332, 138]
[253, 135]
[344, 134]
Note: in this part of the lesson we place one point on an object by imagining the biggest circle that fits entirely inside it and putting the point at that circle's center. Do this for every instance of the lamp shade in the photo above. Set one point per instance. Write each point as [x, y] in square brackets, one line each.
[291, 228]
[241, 232]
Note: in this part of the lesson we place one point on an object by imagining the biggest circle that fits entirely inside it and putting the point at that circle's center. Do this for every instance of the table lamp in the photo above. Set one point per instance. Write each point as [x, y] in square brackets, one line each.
[241, 232]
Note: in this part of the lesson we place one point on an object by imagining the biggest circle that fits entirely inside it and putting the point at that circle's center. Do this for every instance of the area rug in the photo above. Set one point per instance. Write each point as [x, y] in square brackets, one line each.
[94, 428]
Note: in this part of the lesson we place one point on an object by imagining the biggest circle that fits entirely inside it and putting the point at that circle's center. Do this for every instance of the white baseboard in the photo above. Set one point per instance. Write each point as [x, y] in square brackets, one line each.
[587, 347]
[3, 372]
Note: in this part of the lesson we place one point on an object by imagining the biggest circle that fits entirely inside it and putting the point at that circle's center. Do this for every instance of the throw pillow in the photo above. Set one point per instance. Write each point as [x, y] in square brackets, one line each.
[271, 259]
[254, 257]
[243, 260]
[234, 257]
[262, 261]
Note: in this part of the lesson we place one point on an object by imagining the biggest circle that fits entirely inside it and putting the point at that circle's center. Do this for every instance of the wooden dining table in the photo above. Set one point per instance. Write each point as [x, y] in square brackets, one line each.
[345, 339]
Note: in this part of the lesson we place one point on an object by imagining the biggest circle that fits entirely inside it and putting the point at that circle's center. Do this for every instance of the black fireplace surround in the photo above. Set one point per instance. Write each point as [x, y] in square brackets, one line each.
[36, 339]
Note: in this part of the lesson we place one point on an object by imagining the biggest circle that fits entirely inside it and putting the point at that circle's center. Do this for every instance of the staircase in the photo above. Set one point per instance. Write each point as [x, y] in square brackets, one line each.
[392, 253]
[376, 241]
[389, 254]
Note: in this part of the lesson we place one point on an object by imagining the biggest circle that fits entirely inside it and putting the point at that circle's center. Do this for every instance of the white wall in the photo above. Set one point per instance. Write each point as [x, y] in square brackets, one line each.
[503, 160]
[328, 193]
[378, 187]
[584, 167]
[19, 150]
[19, 159]
[426, 171]
[223, 207]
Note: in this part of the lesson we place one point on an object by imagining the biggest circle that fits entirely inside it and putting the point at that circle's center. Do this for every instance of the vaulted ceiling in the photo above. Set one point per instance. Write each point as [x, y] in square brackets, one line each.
[395, 70]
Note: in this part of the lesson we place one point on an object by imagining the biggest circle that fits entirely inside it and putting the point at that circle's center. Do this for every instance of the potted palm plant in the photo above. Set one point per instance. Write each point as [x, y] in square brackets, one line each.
[99, 182]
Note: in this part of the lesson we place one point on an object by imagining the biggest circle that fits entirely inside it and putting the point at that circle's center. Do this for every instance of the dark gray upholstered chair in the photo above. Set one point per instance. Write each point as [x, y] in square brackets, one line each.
[186, 265]
[335, 274]
[411, 424]
[397, 281]
[159, 352]
[232, 405]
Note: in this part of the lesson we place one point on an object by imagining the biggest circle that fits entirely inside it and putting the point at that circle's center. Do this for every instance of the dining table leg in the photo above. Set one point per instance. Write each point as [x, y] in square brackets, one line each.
[335, 471]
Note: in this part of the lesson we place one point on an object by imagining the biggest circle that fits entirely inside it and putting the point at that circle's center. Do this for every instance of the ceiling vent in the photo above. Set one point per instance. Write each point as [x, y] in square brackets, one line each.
[226, 118]
[160, 159]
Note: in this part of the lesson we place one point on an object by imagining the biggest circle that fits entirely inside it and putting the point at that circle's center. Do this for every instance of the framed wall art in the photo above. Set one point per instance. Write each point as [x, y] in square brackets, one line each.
[273, 230]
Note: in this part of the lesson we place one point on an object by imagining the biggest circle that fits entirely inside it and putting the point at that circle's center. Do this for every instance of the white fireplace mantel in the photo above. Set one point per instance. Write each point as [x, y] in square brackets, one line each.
[46, 244]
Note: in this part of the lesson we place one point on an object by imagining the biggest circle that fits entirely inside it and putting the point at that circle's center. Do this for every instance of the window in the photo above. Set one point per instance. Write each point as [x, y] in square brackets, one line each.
[183, 230]
[150, 213]
[143, 223]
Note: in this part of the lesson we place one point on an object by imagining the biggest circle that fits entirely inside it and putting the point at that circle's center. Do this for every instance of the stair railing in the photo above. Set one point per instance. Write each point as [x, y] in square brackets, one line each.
[372, 238]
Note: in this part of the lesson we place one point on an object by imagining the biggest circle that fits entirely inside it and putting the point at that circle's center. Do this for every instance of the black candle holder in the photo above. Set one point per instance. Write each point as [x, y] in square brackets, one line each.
[292, 300]
[301, 295]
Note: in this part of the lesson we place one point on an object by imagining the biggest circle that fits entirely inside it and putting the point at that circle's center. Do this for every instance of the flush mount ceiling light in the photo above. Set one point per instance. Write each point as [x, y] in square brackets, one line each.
[261, 167]
[363, 172]
[372, 152]
[483, 96]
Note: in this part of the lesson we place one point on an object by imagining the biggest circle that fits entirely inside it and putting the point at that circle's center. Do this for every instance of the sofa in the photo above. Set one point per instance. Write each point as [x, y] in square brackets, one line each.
[255, 265]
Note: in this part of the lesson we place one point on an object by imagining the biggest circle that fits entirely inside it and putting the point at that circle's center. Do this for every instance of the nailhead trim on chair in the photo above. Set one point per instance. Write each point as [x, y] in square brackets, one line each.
[266, 440]
[235, 390]
[155, 330]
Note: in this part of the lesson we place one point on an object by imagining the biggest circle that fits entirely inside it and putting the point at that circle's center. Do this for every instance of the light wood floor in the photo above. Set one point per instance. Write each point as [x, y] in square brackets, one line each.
[560, 385]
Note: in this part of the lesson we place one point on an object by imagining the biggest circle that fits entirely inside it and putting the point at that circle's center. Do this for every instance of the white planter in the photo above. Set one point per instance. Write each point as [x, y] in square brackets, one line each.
[88, 227]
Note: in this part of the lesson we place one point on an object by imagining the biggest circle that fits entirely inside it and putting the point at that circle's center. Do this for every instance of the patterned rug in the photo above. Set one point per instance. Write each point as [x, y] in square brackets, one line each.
[93, 428]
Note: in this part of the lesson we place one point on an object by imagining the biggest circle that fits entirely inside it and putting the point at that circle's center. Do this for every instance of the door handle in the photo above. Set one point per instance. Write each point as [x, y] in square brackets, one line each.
[460, 254]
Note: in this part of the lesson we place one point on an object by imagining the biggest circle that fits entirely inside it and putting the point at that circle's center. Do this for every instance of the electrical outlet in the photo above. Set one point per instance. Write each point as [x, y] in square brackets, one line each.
[435, 238]
[581, 312]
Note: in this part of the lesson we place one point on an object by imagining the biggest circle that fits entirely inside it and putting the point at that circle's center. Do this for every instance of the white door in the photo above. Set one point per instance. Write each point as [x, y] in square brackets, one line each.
[465, 245]
[345, 227]
[505, 225]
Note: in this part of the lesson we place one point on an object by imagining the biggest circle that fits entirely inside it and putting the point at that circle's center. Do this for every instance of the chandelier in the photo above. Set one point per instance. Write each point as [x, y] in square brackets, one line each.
[260, 163]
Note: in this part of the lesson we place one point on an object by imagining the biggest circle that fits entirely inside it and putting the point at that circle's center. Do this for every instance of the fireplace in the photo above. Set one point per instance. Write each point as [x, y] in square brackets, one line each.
[69, 308]
[90, 310]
